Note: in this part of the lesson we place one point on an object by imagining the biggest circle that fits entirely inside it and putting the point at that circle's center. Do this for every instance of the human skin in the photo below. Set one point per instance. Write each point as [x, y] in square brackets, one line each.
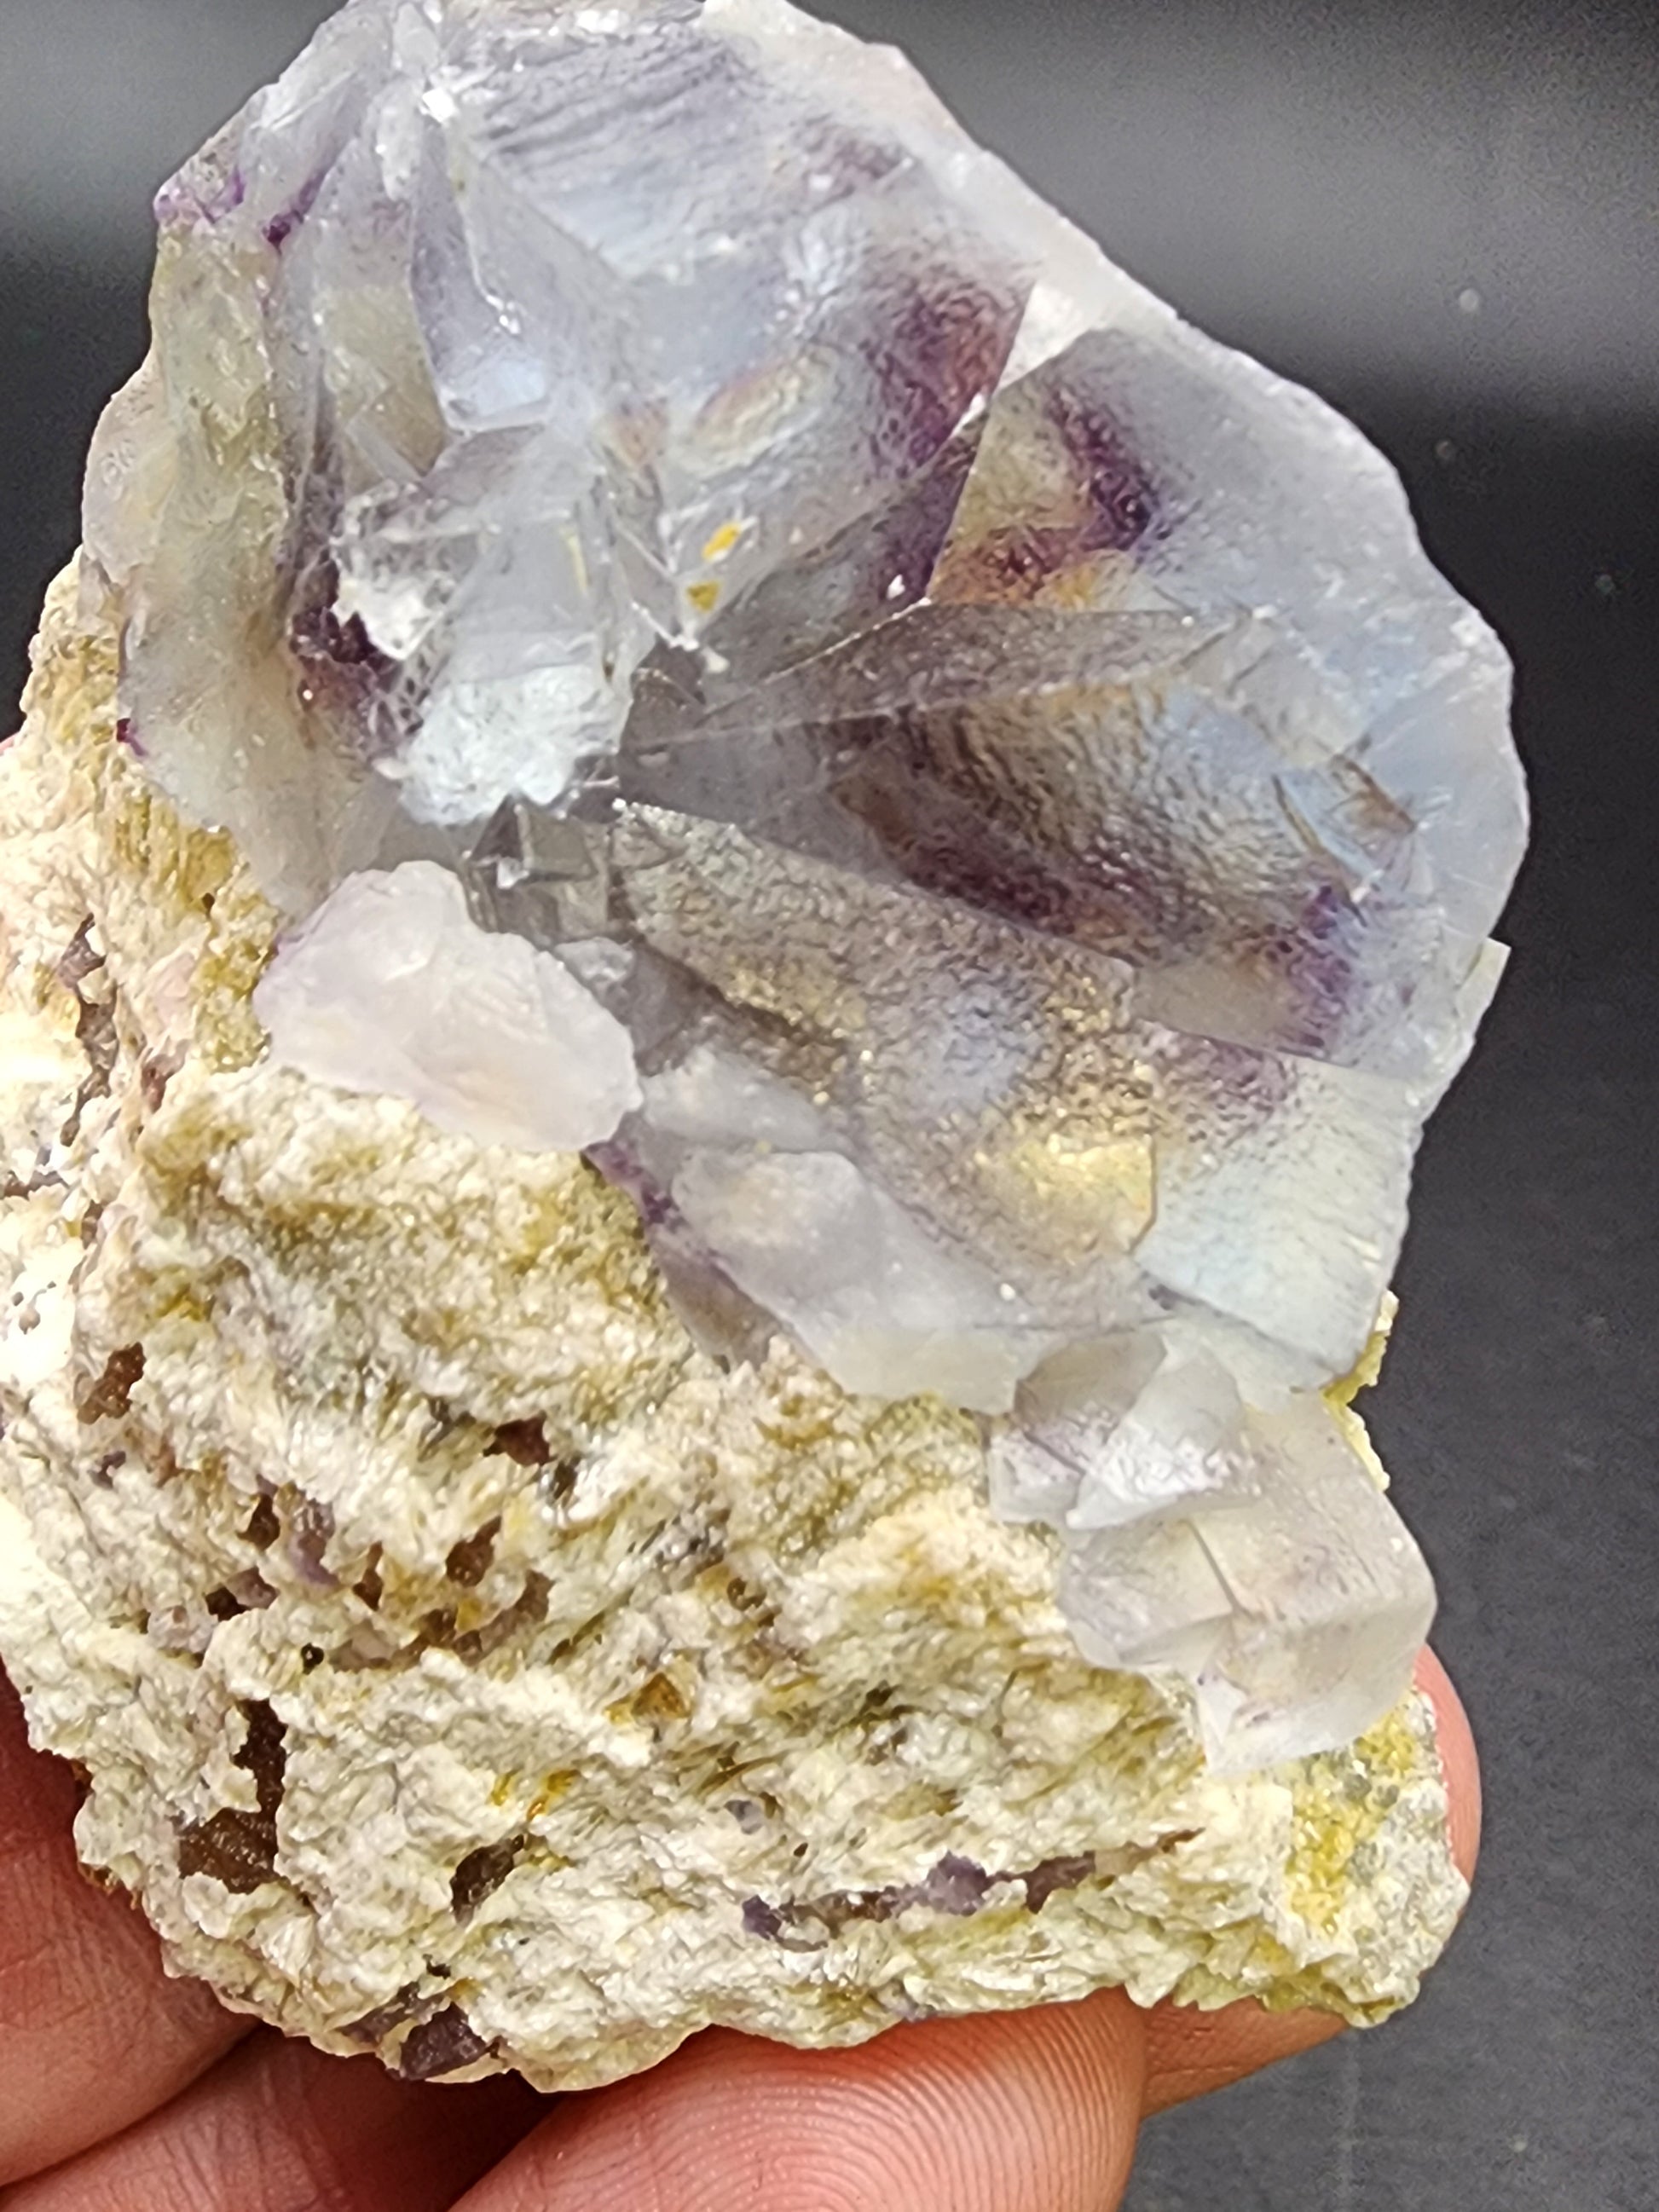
[121, 2091]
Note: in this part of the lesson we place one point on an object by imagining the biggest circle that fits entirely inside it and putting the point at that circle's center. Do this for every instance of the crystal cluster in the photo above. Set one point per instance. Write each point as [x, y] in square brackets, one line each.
[741, 645]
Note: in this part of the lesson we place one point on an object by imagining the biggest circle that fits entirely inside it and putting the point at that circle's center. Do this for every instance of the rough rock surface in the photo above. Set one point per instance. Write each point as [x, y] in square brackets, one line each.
[467, 1666]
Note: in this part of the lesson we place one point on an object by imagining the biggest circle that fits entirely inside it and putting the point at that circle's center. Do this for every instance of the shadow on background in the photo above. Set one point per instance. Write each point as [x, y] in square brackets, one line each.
[1447, 219]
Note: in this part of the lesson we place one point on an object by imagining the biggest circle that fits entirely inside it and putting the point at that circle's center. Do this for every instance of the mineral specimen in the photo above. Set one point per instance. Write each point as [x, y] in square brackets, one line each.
[711, 1060]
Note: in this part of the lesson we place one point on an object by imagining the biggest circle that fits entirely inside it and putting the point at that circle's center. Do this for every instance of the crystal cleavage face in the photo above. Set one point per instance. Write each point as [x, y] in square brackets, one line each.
[743, 646]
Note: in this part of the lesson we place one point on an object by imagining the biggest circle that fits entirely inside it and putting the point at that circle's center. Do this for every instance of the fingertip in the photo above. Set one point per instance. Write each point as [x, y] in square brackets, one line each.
[1190, 2053]
[1033, 2111]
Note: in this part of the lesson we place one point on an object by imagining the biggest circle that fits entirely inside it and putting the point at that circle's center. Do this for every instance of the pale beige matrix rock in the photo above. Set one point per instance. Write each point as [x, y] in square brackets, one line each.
[465, 1665]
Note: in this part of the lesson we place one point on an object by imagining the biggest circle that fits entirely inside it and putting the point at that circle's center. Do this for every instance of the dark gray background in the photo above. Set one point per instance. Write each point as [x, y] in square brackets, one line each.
[1445, 218]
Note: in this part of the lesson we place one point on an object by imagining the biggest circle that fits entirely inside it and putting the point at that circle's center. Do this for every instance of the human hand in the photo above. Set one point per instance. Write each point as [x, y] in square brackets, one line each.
[121, 2091]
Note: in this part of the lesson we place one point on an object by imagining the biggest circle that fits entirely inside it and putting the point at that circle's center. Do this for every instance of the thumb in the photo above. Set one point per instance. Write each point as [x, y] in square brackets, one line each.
[1033, 2111]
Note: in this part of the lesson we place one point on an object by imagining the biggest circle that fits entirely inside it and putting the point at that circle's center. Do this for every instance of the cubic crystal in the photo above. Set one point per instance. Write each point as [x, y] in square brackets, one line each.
[741, 644]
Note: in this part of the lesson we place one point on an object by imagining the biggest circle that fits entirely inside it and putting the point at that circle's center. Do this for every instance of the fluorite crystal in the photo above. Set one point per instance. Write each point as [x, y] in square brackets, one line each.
[742, 645]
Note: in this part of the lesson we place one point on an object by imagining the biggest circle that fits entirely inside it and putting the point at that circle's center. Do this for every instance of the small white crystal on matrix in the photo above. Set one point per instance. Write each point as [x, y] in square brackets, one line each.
[392, 987]
[711, 1060]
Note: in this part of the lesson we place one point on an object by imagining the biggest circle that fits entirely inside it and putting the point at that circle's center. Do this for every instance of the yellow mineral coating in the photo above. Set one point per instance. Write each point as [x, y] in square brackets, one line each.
[1363, 1375]
[1342, 1806]
[724, 541]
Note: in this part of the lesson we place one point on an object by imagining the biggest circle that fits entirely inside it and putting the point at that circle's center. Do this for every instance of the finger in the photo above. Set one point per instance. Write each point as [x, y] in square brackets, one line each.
[93, 2033]
[278, 2127]
[1032, 2111]
[1190, 2052]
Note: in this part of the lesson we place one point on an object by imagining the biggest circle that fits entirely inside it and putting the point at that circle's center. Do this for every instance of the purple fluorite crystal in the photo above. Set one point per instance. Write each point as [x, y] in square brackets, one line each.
[742, 644]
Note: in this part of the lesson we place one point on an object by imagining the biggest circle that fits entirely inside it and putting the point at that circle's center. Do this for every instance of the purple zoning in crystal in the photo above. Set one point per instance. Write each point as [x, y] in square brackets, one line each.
[736, 637]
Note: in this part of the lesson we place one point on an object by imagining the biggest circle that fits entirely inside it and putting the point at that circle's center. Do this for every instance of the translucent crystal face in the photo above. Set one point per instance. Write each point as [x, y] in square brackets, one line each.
[745, 646]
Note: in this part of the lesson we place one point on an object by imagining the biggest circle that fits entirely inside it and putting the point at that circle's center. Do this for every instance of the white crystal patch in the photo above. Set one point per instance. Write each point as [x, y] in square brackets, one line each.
[391, 986]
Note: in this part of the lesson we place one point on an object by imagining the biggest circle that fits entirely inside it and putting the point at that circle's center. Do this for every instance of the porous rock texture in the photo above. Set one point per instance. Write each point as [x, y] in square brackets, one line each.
[466, 1667]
